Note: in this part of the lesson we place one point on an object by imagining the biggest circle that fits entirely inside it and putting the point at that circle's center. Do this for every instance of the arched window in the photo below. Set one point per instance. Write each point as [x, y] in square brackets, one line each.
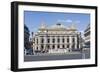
[67, 39]
[48, 46]
[58, 46]
[48, 40]
[37, 48]
[63, 40]
[63, 46]
[42, 40]
[67, 46]
[53, 47]
[58, 40]
[42, 46]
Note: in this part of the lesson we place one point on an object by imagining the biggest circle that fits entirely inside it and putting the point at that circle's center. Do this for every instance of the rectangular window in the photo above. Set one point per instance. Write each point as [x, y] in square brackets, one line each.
[58, 40]
[67, 40]
[48, 40]
[63, 40]
[42, 40]
[53, 40]
[67, 46]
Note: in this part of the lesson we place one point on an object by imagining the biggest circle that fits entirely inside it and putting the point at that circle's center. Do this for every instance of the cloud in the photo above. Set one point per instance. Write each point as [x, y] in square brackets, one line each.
[68, 20]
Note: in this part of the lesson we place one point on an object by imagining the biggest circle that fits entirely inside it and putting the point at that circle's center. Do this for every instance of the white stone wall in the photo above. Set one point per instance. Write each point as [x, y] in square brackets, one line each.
[55, 36]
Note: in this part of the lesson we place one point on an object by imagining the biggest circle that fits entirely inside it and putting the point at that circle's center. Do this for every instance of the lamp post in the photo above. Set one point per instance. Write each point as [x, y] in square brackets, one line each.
[82, 48]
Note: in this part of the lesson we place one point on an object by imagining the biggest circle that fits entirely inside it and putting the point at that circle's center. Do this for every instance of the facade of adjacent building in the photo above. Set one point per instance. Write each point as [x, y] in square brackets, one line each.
[57, 37]
[87, 37]
[26, 37]
[27, 42]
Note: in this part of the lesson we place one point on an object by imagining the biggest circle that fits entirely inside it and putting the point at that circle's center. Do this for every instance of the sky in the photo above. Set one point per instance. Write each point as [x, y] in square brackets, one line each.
[33, 19]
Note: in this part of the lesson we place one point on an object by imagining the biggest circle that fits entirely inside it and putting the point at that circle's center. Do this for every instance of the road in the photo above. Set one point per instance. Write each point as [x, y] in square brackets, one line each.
[69, 56]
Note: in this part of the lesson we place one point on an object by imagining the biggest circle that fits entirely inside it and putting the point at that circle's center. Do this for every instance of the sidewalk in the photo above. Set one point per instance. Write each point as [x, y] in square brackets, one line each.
[44, 54]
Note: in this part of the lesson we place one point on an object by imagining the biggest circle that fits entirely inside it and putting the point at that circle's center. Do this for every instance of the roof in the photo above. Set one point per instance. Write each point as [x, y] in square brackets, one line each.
[58, 26]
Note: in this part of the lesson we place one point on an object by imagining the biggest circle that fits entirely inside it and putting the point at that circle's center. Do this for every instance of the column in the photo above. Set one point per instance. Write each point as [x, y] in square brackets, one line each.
[56, 42]
[45, 42]
[39, 43]
[35, 43]
[60, 41]
[75, 42]
[70, 40]
[50, 42]
[65, 38]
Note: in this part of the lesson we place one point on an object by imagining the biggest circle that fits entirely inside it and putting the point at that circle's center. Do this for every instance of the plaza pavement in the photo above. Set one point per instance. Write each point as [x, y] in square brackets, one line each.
[57, 56]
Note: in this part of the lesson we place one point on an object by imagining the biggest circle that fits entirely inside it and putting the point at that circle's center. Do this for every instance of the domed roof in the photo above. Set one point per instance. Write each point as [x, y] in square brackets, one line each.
[58, 26]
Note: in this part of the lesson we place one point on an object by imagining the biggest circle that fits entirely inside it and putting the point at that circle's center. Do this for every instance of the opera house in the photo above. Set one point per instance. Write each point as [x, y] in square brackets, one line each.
[57, 38]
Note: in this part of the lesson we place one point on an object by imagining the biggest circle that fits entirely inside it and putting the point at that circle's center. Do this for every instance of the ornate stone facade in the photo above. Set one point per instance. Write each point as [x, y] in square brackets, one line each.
[57, 37]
